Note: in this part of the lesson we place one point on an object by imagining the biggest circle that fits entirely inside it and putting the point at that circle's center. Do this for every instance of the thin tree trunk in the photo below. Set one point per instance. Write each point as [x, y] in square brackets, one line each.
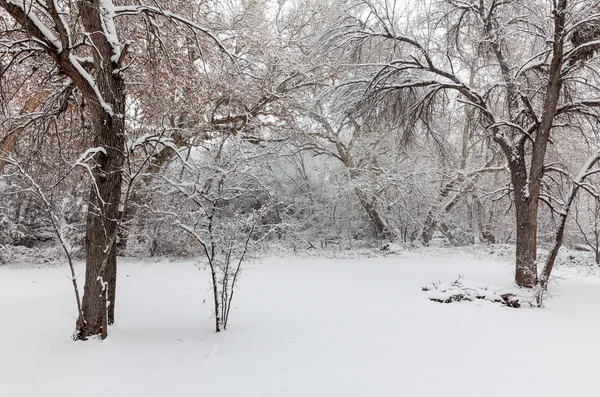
[431, 221]
[564, 215]
[213, 274]
[379, 224]
[466, 133]
[485, 231]
[596, 244]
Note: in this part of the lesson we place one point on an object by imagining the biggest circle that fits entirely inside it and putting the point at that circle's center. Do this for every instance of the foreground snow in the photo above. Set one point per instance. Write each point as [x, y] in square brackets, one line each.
[301, 327]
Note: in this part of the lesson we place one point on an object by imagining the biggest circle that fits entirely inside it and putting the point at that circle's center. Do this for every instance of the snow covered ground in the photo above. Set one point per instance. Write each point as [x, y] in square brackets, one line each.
[301, 327]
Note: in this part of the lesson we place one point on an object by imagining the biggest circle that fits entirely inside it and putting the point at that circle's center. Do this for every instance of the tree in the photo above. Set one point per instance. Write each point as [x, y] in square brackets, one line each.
[224, 208]
[82, 41]
[533, 85]
[342, 140]
[590, 231]
[198, 96]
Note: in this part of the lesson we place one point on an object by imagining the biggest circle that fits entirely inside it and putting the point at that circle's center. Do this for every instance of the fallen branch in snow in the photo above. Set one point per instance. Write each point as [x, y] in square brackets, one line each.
[459, 291]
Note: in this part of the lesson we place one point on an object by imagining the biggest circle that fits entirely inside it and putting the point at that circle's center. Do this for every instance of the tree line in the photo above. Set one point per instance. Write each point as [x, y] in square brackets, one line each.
[216, 127]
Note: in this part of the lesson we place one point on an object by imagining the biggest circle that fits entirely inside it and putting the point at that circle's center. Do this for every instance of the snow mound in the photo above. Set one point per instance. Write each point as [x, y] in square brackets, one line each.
[459, 290]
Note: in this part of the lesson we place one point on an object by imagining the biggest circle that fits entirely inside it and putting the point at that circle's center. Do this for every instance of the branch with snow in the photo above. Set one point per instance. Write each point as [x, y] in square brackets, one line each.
[143, 9]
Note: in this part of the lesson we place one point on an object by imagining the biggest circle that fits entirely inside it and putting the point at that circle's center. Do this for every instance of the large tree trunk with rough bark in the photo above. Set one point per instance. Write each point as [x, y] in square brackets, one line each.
[105, 193]
[69, 33]
[101, 227]
[526, 197]
[527, 185]
[526, 250]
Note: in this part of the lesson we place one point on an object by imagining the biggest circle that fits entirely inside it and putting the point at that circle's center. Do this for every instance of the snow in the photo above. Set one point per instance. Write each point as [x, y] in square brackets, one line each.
[301, 326]
[92, 83]
[89, 154]
[587, 166]
[147, 9]
[110, 31]
[526, 192]
[131, 145]
[46, 33]
[469, 291]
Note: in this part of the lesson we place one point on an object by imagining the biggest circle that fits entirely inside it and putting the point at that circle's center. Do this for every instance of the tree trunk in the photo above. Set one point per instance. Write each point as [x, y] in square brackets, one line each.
[527, 186]
[213, 274]
[526, 266]
[431, 221]
[381, 228]
[428, 228]
[112, 283]
[105, 193]
[526, 211]
[564, 215]
[484, 227]
[379, 224]
[101, 227]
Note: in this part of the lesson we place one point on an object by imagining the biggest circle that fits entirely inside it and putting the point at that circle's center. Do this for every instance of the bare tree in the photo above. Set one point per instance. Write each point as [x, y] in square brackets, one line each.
[82, 40]
[58, 223]
[593, 213]
[340, 143]
[525, 96]
[578, 182]
[224, 208]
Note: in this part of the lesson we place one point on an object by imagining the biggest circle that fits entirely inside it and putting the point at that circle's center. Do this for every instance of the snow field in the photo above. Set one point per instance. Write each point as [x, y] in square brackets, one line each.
[301, 326]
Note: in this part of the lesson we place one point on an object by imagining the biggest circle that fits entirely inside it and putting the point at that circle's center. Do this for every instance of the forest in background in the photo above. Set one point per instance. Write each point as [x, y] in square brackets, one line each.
[217, 128]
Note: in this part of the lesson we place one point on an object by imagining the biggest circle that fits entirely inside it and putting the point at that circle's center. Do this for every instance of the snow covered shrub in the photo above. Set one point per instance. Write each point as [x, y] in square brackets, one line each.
[458, 291]
[225, 211]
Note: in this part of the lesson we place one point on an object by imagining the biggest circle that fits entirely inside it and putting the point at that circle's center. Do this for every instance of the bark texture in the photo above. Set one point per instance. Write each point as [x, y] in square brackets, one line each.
[102, 88]
[527, 179]
[105, 193]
